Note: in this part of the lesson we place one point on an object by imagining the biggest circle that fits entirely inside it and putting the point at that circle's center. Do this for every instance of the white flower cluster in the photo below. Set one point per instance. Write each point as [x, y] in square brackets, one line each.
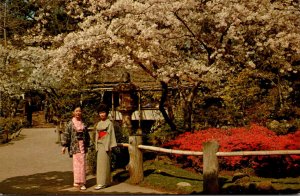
[186, 39]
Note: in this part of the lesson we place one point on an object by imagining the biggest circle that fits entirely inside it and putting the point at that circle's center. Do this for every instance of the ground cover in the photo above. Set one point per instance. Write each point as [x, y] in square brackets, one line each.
[164, 175]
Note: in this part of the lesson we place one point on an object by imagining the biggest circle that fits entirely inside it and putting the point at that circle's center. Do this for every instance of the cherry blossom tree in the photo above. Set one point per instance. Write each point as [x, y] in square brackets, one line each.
[180, 43]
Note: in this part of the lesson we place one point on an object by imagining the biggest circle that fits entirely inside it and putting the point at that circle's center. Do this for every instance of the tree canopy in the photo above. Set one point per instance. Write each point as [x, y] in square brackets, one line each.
[245, 52]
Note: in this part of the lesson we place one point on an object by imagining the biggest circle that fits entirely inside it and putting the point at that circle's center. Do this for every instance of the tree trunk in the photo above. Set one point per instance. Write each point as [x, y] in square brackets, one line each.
[188, 107]
[163, 99]
[187, 115]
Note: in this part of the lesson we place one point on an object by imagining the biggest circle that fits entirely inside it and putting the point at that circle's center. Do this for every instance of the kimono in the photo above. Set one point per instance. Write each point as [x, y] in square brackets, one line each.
[77, 145]
[70, 140]
[105, 140]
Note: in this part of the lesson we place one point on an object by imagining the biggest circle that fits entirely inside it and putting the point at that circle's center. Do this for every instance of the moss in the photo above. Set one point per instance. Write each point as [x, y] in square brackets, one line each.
[163, 175]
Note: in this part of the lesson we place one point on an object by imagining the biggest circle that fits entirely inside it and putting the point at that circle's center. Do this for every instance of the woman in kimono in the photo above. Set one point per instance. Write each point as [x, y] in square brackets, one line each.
[104, 142]
[76, 139]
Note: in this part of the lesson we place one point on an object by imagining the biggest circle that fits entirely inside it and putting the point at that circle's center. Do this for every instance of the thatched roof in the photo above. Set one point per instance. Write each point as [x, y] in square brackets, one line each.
[109, 78]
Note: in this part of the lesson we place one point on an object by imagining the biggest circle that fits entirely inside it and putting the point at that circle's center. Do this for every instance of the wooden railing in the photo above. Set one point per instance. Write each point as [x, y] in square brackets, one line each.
[210, 160]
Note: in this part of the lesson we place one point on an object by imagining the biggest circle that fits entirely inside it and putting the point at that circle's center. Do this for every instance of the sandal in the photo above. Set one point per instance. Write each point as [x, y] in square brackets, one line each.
[76, 185]
[99, 186]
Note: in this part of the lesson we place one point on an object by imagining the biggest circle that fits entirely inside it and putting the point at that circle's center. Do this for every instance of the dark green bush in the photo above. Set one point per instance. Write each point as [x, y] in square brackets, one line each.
[11, 125]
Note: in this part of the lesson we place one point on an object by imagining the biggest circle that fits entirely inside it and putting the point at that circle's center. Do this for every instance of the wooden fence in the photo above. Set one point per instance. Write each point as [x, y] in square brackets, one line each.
[210, 160]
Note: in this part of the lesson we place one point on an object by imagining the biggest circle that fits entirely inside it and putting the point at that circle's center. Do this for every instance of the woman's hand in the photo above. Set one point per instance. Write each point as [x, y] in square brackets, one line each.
[63, 150]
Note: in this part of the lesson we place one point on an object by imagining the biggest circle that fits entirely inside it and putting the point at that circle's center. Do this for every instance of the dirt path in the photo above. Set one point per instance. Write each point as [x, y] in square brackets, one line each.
[38, 120]
[32, 164]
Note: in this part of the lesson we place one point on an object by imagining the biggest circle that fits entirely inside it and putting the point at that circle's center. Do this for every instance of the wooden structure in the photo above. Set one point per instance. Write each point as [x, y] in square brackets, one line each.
[210, 161]
[211, 168]
[136, 148]
[136, 169]
[128, 103]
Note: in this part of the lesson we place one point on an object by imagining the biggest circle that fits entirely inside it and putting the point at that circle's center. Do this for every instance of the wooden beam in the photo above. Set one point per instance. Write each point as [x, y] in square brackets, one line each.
[158, 149]
[220, 154]
[253, 153]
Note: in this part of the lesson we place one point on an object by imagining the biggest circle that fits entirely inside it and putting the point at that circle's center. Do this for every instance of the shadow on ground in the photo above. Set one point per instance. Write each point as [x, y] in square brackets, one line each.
[51, 183]
[252, 189]
[12, 141]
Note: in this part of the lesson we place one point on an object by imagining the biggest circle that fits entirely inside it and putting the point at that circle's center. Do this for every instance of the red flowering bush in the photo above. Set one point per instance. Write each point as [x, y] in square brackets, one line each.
[252, 138]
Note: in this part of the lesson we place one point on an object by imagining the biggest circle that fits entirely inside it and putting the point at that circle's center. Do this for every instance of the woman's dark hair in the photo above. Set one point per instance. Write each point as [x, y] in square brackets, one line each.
[76, 106]
[103, 108]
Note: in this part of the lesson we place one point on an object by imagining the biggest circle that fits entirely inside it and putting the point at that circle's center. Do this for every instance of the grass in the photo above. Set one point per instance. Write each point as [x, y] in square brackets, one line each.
[164, 176]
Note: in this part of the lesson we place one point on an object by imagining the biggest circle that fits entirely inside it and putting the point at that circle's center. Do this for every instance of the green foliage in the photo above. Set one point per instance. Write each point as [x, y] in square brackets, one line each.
[64, 101]
[161, 133]
[283, 127]
[249, 96]
[11, 125]
[19, 15]
[92, 160]
[166, 176]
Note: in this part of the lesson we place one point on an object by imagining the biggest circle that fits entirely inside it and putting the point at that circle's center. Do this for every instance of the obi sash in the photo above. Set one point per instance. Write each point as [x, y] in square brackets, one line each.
[101, 133]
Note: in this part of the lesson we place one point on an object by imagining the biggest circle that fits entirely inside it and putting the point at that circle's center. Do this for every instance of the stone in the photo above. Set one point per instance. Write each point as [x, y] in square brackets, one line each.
[240, 177]
[265, 187]
[183, 184]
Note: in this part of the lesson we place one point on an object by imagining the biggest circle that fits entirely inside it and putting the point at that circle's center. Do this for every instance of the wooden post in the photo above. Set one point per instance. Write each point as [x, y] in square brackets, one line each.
[113, 112]
[136, 170]
[59, 131]
[139, 130]
[126, 123]
[210, 168]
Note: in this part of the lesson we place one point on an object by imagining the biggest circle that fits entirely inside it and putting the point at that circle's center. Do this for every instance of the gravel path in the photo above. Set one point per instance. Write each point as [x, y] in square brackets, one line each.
[32, 164]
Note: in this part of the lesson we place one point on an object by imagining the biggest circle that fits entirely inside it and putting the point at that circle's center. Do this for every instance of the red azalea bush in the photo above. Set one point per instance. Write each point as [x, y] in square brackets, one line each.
[253, 138]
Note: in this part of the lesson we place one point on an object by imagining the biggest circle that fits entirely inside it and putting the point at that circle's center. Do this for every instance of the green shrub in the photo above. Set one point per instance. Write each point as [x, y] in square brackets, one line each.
[161, 133]
[11, 125]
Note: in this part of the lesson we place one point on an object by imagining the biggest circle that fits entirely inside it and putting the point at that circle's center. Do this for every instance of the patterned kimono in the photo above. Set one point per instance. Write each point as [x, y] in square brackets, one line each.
[76, 138]
[105, 140]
